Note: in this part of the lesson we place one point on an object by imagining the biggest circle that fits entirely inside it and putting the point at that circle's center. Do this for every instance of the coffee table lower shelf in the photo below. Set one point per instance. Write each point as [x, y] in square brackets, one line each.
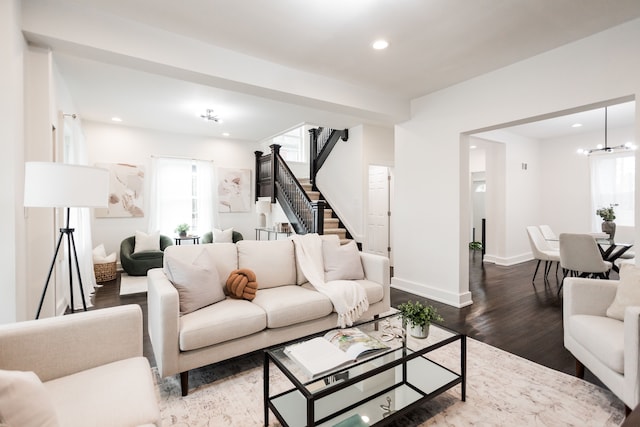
[370, 400]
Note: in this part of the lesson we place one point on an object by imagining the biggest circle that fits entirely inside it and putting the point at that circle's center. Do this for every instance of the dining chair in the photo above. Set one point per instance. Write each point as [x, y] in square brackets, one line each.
[542, 251]
[580, 257]
[549, 235]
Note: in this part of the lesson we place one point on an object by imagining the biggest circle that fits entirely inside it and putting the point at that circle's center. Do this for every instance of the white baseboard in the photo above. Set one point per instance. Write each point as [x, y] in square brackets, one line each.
[506, 262]
[458, 300]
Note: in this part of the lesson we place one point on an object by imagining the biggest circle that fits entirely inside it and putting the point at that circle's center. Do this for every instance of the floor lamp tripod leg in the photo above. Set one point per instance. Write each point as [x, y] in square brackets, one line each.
[75, 256]
[46, 284]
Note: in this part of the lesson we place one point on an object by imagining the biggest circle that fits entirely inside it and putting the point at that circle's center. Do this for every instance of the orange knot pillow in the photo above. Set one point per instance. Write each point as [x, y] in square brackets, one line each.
[242, 284]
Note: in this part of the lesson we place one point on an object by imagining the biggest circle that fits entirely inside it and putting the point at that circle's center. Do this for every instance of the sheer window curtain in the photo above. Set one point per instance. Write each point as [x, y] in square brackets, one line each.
[74, 152]
[613, 182]
[207, 196]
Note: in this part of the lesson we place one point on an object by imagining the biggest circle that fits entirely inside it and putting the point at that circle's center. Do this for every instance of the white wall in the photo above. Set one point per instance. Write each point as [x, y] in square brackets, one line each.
[431, 260]
[122, 144]
[12, 224]
[340, 180]
[343, 179]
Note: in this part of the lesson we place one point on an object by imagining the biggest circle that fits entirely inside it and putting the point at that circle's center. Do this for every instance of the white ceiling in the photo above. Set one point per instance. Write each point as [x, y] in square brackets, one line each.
[433, 44]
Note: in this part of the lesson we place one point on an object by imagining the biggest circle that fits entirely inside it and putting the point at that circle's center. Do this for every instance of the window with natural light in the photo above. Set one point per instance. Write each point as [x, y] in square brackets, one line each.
[613, 183]
[183, 194]
[291, 144]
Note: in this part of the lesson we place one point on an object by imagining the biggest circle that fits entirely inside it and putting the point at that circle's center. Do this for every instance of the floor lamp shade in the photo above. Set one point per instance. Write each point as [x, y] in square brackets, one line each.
[60, 185]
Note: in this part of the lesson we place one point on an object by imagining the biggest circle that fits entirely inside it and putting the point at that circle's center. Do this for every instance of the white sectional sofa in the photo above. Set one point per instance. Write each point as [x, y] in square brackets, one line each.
[285, 307]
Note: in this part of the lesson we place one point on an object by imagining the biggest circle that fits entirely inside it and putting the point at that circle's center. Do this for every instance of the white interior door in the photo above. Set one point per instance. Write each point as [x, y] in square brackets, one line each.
[378, 212]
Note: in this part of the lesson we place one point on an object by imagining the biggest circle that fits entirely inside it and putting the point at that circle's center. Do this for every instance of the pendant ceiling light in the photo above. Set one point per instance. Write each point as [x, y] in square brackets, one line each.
[209, 116]
[606, 148]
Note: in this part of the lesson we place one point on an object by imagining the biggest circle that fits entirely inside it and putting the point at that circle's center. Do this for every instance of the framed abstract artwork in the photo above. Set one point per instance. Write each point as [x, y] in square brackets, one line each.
[126, 188]
[234, 190]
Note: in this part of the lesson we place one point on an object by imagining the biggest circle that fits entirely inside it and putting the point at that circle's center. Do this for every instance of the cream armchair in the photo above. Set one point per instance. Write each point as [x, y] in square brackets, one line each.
[90, 368]
[606, 346]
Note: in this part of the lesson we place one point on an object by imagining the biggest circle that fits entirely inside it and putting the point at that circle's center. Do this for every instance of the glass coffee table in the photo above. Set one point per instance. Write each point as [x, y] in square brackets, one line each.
[374, 389]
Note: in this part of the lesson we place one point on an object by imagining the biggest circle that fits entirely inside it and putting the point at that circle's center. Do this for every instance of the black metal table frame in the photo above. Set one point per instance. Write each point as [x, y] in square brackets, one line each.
[610, 254]
[312, 397]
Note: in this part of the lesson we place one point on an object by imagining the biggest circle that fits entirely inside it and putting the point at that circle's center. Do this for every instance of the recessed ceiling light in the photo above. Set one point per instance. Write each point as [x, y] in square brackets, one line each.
[225, 134]
[380, 44]
[473, 147]
[576, 125]
[116, 119]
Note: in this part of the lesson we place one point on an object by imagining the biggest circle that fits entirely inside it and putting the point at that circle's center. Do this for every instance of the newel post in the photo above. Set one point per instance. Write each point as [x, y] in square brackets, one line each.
[317, 207]
[258, 155]
[313, 155]
[275, 155]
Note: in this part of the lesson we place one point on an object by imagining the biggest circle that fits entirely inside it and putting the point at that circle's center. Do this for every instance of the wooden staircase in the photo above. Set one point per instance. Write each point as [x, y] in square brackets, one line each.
[300, 200]
[331, 224]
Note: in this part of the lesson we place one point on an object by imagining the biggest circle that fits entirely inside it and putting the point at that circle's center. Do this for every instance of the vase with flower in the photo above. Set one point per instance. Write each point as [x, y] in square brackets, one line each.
[608, 215]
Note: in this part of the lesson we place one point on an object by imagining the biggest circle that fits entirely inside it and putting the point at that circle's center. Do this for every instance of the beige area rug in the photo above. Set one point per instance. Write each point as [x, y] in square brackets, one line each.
[502, 390]
[132, 284]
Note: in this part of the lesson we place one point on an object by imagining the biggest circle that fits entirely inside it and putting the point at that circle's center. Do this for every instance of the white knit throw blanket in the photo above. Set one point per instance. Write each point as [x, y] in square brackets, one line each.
[348, 297]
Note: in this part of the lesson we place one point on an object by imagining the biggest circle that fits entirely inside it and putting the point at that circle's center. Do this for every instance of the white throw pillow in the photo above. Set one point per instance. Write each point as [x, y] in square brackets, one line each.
[147, 242]
[342, 262]
[223, 236]
[24, 401]
[99, 254]
[628, 293]
[197, 283]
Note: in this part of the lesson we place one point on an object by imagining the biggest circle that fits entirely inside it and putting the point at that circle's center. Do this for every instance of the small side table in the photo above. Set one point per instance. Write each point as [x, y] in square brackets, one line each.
[269, 232]
[194, 239]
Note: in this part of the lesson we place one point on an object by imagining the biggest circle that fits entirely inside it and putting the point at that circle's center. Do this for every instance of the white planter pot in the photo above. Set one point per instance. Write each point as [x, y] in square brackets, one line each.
[419, 331]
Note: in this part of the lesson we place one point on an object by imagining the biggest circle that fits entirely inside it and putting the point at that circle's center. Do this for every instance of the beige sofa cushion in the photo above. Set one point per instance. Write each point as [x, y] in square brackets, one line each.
[288, 305]
[197, 283]
[116, 394]
[222, 321]
[24, 401]
[224, 255]
[273, 261]
[342, 262]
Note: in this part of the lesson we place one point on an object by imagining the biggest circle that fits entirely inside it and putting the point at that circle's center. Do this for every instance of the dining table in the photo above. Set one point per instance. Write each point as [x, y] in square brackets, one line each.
[611, 251]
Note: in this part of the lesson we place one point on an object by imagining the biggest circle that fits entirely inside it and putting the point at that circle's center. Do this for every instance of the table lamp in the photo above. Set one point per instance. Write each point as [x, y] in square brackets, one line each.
[263, 208]
[60, 185]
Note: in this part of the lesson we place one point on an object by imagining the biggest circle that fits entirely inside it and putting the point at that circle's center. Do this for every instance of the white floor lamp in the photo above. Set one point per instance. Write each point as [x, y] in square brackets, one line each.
[60, 185]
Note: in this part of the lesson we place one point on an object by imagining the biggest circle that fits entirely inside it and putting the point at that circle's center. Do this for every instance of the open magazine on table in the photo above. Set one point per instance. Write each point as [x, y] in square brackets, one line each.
[335, 348]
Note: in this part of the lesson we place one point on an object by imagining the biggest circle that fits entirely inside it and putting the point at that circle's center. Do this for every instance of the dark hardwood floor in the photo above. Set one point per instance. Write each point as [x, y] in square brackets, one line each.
[508, 312]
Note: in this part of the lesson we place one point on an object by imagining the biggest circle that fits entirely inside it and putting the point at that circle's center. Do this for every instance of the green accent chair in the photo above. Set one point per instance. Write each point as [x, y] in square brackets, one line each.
[208, 237]
[137, 264]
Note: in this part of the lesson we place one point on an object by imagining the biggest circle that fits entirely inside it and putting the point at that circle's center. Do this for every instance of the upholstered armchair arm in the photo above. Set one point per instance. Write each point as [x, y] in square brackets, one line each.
[631, 355]
[376, 269]
[163, 308]
[588, 296]
[165, 241]
[59, 346]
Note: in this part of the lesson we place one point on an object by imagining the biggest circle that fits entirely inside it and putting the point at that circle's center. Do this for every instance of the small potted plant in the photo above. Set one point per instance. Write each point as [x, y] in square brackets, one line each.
[182, 229]
[417, 318]
[608, 215]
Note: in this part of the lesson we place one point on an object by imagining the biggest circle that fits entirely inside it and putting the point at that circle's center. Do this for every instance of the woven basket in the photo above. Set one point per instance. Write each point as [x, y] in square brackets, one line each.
[105, 272]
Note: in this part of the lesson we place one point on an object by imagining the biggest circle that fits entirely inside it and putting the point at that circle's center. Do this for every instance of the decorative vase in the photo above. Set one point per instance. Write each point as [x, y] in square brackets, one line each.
[419, 331]
[183, 234]
[609, 227]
